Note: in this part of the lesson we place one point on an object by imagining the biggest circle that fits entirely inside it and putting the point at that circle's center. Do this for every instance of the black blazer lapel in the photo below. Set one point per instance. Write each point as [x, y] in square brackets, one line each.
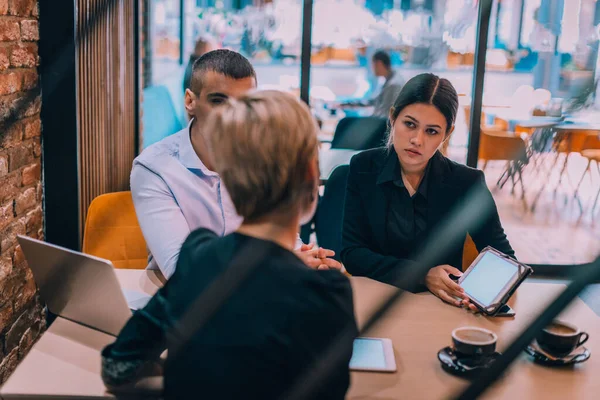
[441, 195]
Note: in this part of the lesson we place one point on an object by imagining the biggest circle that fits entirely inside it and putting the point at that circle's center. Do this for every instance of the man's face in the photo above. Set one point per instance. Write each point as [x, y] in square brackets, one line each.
[215, 90]
[379, 69]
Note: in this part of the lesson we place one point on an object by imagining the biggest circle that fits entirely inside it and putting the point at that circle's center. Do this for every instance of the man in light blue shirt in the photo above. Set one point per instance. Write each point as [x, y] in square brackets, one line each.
[174, 187]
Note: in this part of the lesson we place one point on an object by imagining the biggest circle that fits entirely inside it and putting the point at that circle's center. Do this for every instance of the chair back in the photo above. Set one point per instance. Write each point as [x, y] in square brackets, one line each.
[112, 231]
[159, 115]
[498, 145]
[592, 142]
[572, 141]
[359, 133]
[470, 253]
[330, 213]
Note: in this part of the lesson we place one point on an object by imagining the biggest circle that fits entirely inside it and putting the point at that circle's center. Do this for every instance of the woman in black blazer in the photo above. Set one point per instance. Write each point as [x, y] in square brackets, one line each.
[397, 195]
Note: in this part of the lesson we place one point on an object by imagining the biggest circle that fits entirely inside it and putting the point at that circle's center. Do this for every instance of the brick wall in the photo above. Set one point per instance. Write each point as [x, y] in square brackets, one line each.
[21, 315]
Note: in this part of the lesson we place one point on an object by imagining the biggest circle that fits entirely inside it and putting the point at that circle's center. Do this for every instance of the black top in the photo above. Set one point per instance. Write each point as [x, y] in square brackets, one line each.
[370, 249]
[270, 331]
[406, 223]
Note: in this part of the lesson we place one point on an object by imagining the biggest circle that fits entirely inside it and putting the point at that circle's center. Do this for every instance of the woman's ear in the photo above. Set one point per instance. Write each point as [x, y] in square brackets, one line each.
[391, 115]
[449, 132]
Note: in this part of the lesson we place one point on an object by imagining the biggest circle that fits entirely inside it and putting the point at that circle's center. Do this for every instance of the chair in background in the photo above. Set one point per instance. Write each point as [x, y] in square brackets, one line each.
[470, 253]
[159, 115]
[591, 151]
[504, 146]
[112, 231]
[565, 143]
[330, 213]
[359, 133]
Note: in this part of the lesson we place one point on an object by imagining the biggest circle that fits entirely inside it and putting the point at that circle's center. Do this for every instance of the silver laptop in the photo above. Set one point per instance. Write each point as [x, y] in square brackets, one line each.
[80, 287]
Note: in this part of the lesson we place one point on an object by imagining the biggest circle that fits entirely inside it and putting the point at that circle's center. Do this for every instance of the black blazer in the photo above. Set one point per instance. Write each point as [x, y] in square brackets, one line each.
[366, 209]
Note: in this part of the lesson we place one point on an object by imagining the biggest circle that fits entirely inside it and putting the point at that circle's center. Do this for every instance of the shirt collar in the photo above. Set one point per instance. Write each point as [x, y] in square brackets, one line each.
[187, 154]
[391, 172]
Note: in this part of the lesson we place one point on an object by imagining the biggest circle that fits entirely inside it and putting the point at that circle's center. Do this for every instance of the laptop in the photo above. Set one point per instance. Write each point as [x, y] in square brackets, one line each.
[80, 287]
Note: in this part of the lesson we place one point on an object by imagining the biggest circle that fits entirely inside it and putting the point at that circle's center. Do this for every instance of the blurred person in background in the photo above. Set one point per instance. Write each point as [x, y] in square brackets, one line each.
[384, 100]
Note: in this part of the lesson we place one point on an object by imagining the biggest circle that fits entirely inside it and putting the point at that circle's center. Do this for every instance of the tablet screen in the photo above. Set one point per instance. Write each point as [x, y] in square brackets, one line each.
[487, 279]
[367, 354]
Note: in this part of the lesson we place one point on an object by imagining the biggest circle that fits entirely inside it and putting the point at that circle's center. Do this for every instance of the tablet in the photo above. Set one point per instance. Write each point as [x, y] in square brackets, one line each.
[491, 279]
[373, 354]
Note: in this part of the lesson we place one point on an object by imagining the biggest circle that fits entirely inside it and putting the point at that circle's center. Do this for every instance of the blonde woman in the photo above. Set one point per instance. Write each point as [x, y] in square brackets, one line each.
[276, 321]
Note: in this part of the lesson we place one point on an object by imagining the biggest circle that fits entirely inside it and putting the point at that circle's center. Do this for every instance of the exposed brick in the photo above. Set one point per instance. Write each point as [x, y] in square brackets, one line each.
[10, 186]
[24, 56]
[9, 30]
[32, 174]
[30, 79]
[4, 58]
[18, 329]
[33, 221]
[3, 7]
[25, 343]
[18, 256]
[9, 363]
[26, 294]
[25, 201]
[37, 147]
[11, 82]
[3, 165]
[6, 315]
[9, 234]
[34, 107]
[6, 268]
[22, 8]
[33, 128]
[36, 10]
[11, 136]
[29, 30]
[7, 214]
[39, 191]
[18, 157]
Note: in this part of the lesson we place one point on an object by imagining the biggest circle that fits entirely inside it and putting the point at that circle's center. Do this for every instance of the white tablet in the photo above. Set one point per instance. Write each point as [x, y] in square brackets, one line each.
[373, 354]
[491, 279]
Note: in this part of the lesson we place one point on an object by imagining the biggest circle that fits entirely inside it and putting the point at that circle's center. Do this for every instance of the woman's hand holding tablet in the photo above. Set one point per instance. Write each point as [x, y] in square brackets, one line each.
[491, 280]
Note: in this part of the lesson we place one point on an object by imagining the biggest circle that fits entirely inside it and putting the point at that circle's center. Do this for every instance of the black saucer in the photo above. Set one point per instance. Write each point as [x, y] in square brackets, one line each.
[461, 365]
[539, 356]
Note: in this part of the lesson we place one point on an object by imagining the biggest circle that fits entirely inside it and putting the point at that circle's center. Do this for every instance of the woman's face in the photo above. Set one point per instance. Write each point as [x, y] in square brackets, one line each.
[419, 130]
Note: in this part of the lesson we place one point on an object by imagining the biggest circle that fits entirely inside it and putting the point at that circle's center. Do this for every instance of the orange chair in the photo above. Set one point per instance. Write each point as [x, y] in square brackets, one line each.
[497, 145]
[590, 150]
[470, 253]
[567, 142]
[112, 231]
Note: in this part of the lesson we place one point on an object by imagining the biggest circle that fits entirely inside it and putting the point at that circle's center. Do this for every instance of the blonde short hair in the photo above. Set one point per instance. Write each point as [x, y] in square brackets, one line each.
[262, 145]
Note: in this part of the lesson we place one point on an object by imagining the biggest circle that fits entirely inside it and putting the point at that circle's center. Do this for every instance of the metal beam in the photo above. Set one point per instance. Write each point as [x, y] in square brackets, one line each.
[181, 31]
[306, 50]
[483, 25]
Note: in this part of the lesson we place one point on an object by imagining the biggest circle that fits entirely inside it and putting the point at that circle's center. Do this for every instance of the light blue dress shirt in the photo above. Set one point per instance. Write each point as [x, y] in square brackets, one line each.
[174, 194]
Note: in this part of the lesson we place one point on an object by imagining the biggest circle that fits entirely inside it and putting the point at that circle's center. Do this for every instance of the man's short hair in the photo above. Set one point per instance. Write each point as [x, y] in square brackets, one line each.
[222, 61]
[384, 57]
[264, 144]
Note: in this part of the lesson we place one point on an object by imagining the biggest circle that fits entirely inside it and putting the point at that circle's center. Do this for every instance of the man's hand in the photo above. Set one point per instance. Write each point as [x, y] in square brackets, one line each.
[318, 258]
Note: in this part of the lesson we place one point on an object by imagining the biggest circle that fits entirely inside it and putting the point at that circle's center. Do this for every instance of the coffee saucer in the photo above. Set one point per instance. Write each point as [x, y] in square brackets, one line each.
[462, 365]
[540, 356]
